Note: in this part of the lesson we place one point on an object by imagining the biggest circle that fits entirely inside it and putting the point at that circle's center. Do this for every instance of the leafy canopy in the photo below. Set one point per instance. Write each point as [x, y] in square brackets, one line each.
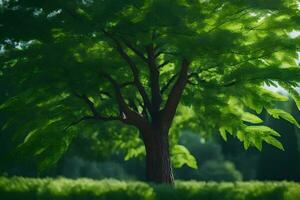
[54, 54]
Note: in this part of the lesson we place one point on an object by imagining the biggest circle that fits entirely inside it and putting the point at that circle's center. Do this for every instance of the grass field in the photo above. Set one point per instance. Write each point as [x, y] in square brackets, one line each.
[17, 188]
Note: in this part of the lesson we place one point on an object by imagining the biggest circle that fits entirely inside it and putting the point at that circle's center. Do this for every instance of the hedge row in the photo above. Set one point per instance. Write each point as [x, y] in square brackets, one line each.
[61, 189]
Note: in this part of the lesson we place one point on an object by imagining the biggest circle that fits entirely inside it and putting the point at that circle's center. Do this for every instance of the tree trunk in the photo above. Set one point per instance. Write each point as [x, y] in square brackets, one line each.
[158, 163]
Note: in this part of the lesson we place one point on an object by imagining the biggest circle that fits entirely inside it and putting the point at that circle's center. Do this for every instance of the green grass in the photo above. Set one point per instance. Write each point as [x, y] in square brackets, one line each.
[85, 189]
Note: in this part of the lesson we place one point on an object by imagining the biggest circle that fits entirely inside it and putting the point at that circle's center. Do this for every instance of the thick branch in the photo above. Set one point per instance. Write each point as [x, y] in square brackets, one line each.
[175, 95]
[128, 116]
[154, 80]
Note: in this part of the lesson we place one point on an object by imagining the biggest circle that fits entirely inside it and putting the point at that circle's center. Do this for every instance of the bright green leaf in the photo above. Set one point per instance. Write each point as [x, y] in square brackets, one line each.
[181, 155]
[277, 113]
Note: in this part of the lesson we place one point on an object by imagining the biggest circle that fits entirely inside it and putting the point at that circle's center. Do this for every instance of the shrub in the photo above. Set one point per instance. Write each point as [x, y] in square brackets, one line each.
[219, 171]
[18, 188]
[75, 167]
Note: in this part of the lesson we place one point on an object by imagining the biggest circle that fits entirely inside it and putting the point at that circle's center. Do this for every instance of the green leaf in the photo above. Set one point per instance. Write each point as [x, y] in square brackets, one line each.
[246, 144]
[293, 92]
[297, 100]
[273, 141]
[278, 113]
[296, 97]
[223, 133]
[257, 141]
[241, 136]
[249, 117]
[134, 152]
[276, 96]
[261, 130]
[181, 155]
[255, 135]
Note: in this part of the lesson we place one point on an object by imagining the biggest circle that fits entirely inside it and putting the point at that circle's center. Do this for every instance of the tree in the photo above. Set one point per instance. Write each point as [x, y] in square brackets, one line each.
[122, 70]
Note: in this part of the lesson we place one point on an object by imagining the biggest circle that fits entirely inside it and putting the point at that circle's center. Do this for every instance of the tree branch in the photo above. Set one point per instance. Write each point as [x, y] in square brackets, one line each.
[231, 17]
[128, 116]
[95, 116]
[117, 88]
[171, 80]
[163, 64]
[144, 110]
[88, 102]
[154, 81]
[93, 109]
[175, 95]
[133, 68]
[134, 49]
[78, 121]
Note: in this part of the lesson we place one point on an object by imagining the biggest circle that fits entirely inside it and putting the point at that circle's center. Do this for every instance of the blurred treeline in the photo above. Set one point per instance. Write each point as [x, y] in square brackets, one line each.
[217, 160]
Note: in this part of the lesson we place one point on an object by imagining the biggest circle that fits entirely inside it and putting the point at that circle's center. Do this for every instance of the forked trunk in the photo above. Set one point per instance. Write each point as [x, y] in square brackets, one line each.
[158, 163]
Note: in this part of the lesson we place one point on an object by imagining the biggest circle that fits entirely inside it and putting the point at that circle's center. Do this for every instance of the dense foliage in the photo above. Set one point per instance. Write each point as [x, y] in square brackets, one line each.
[117, 71]
[43, 189]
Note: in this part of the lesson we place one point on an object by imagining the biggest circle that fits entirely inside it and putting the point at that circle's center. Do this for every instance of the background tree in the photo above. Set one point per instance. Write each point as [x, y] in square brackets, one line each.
[121, 70]
[291, 154]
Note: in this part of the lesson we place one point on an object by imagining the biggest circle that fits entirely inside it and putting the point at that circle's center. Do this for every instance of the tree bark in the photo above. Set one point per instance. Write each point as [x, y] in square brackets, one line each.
[158, 162]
